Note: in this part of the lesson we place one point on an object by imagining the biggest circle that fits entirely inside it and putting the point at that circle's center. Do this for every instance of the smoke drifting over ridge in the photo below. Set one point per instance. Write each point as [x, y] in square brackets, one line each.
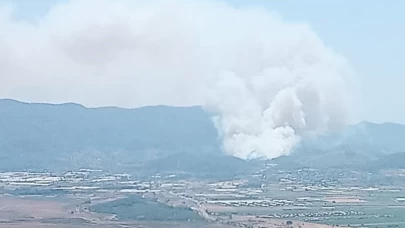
[269, 82]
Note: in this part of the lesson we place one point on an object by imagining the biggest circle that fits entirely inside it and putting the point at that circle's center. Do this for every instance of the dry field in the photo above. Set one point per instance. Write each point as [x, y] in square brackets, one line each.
[274, 223]
[18, 212]
[37, 213]
[21, 208]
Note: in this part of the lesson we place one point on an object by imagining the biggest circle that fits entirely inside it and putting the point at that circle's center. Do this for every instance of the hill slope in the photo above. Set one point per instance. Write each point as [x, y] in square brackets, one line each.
[70, 135]
[354, 146]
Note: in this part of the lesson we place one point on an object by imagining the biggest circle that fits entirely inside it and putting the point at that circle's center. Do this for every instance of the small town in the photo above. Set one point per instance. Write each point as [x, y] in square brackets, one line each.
[285, 195]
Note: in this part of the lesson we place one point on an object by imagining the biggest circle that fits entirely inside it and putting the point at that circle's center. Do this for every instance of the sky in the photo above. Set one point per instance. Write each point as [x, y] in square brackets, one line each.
[367, 33]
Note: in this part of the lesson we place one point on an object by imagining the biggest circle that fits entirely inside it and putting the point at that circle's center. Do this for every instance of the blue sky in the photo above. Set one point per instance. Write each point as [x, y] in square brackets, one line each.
[367, 33]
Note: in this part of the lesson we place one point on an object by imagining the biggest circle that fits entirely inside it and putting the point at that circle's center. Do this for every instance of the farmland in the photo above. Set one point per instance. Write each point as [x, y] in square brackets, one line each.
[269, 198]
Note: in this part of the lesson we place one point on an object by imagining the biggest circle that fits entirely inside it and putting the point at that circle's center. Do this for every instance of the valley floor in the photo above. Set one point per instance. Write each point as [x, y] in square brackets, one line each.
[271, 198]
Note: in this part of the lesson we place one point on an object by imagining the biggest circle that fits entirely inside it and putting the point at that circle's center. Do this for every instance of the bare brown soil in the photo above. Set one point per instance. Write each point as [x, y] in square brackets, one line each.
[36, 213]
[18, 212]
[257, 222]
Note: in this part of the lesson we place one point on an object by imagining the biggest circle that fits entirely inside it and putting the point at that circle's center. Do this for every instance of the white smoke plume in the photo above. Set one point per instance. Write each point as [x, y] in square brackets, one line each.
[269, 81]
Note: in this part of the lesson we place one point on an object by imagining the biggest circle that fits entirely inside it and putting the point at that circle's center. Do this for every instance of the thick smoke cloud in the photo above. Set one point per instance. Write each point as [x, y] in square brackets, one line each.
[268, 81]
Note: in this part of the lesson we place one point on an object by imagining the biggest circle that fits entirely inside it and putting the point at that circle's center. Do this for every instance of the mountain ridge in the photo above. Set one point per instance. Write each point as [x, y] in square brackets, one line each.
[73, 134]
[70, 135]
[2, 100]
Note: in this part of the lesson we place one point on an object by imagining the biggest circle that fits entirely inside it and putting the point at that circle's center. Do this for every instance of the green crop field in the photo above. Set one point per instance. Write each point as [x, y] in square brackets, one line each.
[134, 207]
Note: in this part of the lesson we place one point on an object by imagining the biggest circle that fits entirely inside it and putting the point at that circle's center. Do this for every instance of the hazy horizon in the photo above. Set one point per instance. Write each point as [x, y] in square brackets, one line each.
[369, 69]
[269, 79]
[202, 113]
[97, 107]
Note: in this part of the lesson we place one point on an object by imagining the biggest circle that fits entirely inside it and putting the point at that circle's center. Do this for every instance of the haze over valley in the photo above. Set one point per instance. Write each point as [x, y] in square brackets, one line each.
[66, 136]
[201, 113]
[268, 81]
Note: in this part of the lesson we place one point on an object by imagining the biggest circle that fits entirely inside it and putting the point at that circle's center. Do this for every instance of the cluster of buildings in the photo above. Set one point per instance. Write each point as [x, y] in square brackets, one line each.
[252, 203]
[346, 217]
[317, 215]
[201, 193]
[73, 181]
[27, 179]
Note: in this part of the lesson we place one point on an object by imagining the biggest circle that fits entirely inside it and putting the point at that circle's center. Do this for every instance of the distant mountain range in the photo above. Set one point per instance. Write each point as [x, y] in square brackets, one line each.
[360, 145]
[70, 136]
[161, 138]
